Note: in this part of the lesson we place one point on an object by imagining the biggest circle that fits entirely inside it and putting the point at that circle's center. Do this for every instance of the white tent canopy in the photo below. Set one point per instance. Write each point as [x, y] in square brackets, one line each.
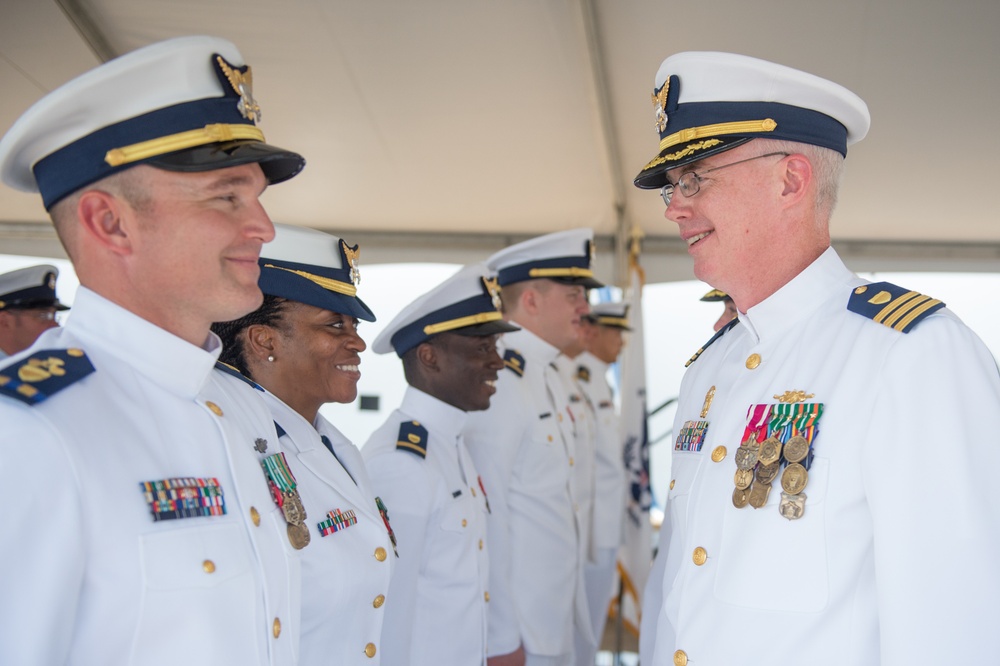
[440, 130]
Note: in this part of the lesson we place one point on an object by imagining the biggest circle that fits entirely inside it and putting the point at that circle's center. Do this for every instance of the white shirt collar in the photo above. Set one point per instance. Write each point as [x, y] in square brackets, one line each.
[825, 278]
[167, 360]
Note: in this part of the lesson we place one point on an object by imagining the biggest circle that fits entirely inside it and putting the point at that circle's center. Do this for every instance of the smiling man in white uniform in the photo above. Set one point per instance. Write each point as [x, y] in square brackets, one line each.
[419, 463]
[832, 498]
[524, 447]
[139, 527]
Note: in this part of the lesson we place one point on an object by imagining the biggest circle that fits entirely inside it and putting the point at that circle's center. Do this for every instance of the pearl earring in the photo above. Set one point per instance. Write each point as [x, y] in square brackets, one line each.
[270, 359]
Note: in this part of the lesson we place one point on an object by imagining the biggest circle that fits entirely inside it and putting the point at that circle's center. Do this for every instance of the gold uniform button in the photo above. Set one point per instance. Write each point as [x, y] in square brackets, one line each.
[73, 351]
[680, 658]
[276, 627]
[571, 462]
[860, 290]
[255, 516]
[486, 595]
[473, 491]
[700, 556]
[379, 600]
[465, 523]
[370, 650]
[208, 566]
[550, 438]
[753, 360]
[480, 544]
[214, 407]
[380, 554]
[559, 416]
[673, 482]
[719, 453]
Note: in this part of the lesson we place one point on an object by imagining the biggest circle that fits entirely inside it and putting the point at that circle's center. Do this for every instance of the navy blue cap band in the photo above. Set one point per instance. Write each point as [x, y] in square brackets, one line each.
[82, 162]
[413, 334]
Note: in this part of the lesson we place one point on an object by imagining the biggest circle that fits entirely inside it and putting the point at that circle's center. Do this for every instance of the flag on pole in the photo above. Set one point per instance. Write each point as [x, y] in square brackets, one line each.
[636, 553]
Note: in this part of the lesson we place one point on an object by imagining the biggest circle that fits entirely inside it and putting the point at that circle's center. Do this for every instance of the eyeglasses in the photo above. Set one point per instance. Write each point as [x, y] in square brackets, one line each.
[39, 314]
[689, 182]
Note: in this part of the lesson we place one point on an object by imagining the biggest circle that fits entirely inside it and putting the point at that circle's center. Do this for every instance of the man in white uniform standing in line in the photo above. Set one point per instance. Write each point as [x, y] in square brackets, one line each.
[139, 527]
[832, 497]
[523, 447]
[602, 335]
[418, 462]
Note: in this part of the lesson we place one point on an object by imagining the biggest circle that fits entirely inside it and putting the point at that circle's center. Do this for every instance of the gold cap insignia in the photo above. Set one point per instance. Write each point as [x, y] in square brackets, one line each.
[660, 106]
[50, 280]
[242, 82]
[493, 289]
[352, 254]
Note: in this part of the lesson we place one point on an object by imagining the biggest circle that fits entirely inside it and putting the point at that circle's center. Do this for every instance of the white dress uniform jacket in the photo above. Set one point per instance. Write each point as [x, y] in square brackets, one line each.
[523, 446]
[87, 576]
[894, 561]
[439, 593]
[346, 571]
[609, 488]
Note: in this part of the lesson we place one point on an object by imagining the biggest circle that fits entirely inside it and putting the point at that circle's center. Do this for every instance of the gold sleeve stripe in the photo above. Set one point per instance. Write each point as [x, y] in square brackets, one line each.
[902, 311]
[406, 445]
[462, 322]
[180, 141]
[916, 312]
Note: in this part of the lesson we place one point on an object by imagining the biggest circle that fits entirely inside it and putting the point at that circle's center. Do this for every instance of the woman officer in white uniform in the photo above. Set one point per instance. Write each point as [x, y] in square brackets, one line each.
[301, 349]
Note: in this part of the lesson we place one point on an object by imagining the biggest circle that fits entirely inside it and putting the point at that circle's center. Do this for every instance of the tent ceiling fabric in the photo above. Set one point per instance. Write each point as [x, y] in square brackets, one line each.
[519, 117]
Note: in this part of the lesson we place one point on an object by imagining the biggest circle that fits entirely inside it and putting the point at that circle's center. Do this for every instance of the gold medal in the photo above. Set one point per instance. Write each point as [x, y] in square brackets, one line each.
[770, 451]
[298, 535]
[295, 513]
[746, 457]
[743, 478]
[740, 498]
[759, 494]
[792, 506]
[767, 473]
[796, 449]
[794, 479]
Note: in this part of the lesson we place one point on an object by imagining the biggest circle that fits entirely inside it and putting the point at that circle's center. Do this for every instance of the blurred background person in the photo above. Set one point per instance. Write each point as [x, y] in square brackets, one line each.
[602, 338]
[301, 348]
[729, 312]
[28, 306]
[419, 463]
[582, 416]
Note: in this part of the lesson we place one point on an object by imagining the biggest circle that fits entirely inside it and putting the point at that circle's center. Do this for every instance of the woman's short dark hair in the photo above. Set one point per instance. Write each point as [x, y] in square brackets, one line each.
[233, 351]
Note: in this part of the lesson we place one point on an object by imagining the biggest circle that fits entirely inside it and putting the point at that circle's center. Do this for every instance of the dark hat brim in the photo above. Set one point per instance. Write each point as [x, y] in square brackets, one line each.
[37, 304]
[654, 175]
[587, 282]
[486, 328]
[277, 164]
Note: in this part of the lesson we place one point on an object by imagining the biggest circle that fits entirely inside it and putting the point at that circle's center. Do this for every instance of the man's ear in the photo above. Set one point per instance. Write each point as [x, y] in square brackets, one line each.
[530, 300]
[797, 178]
[102, 216]
[427, 356]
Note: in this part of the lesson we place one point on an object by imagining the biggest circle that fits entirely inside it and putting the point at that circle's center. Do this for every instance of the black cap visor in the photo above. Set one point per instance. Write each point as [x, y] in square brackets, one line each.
[486, 328]
[654, 175]
[277, 164]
